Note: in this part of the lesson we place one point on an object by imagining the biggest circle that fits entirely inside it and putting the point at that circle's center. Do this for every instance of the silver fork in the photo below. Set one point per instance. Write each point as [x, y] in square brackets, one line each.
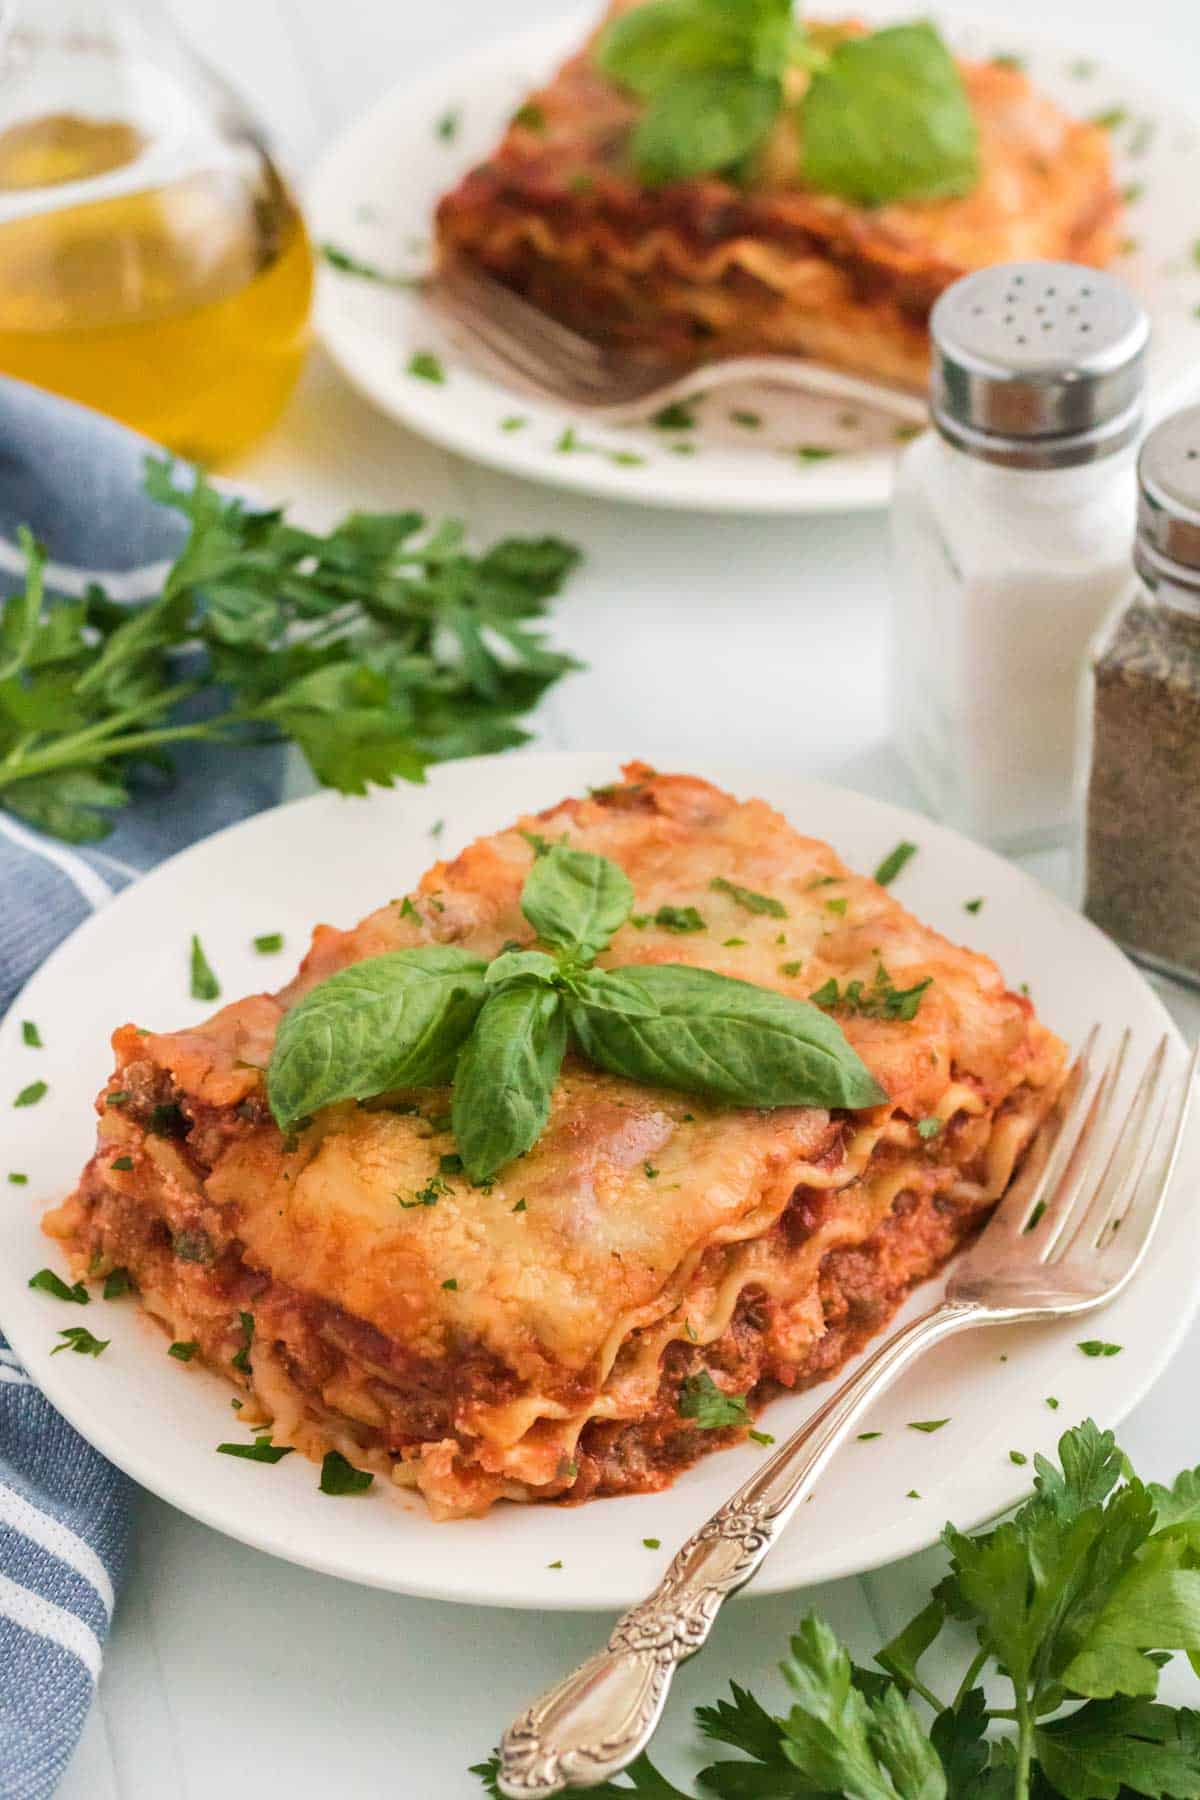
[529, 348]
[1069, 1235]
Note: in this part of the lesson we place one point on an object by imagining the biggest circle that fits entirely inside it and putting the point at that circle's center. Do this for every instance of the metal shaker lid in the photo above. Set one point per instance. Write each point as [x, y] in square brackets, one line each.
[1038, 364]
[1168, 535]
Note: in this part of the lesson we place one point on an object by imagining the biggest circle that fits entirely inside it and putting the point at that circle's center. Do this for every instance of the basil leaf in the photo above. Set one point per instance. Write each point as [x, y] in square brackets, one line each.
[511, 964]
[703, 1033]
[887, 118]
[391, 1021]
[576, 900]
[651, 46]
[506, 1076]
[704, 123]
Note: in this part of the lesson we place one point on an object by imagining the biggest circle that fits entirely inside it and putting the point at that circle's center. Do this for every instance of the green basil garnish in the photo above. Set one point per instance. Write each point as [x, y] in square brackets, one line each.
[704, 1033]
[499, 1031]
[393, 1021]
[506, 1076]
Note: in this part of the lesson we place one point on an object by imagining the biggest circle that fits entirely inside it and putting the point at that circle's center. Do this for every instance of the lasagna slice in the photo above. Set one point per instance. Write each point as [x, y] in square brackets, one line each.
[700, 269]
[629, 1293]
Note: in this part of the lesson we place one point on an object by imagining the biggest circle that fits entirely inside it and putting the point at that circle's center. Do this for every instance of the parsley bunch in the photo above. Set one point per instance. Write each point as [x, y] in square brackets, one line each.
[1075, 1603]
[883, 116]
[499, 1030]
[378, 649]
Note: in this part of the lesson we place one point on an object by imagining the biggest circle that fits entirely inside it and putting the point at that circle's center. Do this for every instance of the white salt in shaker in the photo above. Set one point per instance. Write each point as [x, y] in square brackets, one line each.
[1011, 530]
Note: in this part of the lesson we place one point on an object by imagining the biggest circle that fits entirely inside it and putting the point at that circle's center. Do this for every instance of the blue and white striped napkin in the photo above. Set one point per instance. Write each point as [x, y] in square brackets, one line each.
[76, 480]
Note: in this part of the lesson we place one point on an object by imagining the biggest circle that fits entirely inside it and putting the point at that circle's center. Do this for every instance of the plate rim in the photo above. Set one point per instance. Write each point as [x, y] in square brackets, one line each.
[553, 36]
[139, 1462]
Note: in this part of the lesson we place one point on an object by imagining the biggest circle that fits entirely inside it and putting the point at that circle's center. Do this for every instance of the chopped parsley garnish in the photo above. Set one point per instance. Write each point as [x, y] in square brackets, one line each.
[973, 906]
[882, 1000]
[167, 1120]
[1111, 119]
[409, 911]
[555, 1565]
[117, 1097]
[521, 1206]
[702, 1400]
[192, 1246]
[17, 1179]
[29, 1096]
[679, 918]
[1035, 1217]
[927, 1425]
[732, 943]
[790, 969]
[348, 264]
[123, 1163]
[514, 422]
[425, 366]
[678, 416]
[450, 1164]
[116, 1283]
[429, 1195]
[47, 1282]
[894, 861]
[530, 117]
[651, 1171]
[1019, 1457]
[184, 1350]
[912, 1494]
[79, 1339]
[760, 1437]
[749, 421]
[30, 1035]
[241, 1359]
[1097, 1347]
[447, 126]
[451, 1286]
[837, 906]
[205, 985]
[1052, 1402]
[338, 1476]
[755, 903]
[652, 1543]
[866, 1437]
[261, 1450]
[541, 846]
[269, 943]
[928, 1128]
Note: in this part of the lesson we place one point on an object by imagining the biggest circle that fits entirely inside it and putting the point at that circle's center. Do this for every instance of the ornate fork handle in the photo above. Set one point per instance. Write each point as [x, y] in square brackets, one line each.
[591, 1725]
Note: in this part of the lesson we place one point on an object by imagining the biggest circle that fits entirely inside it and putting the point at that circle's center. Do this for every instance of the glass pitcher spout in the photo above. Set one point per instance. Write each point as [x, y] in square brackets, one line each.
[153, 262]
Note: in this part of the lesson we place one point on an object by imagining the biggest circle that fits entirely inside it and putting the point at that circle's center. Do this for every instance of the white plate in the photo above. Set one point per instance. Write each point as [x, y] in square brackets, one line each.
[328, 858]
[374, 193]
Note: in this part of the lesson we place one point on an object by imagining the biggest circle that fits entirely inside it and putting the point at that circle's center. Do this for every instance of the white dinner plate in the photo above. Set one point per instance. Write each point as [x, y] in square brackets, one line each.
[329, 858]
[374, 192]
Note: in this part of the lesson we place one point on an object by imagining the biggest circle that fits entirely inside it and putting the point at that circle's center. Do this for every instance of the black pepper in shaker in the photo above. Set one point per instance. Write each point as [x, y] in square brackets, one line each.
[1142, 830]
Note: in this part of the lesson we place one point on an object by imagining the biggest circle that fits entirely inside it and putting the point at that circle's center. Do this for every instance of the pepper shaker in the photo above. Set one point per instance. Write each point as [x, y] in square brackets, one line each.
[1142, 818]
[1011, 527]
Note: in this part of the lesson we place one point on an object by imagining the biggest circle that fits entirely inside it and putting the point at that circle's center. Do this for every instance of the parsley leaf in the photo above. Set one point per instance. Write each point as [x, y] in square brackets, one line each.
[338, 1476]
[754, 903]
[183, 1349]
[31, 1035]
[29, 1096]
[47, 1282]
[81, 1340]
[894, 861]
[702, 1400]
[379, 648]
[205, 985]
[261, 1450]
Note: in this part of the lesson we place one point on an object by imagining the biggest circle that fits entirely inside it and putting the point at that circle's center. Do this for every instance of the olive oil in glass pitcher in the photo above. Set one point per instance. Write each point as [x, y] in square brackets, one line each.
[153, 263]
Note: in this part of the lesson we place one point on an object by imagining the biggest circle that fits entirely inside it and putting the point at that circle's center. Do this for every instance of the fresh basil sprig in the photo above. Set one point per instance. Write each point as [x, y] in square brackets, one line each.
[427, 1016]
[883, 116]
[388, 1022]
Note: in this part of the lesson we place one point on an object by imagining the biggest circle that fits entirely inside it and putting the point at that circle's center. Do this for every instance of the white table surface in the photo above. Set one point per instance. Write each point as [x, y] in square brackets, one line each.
[762, 640]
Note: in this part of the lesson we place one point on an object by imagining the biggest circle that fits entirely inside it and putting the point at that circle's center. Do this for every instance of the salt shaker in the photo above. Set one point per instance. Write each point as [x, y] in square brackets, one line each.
[1142, 816]
[1011, 527]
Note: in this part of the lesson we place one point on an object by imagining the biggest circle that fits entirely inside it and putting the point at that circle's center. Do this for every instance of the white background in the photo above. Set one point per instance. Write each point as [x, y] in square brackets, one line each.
[761, 640]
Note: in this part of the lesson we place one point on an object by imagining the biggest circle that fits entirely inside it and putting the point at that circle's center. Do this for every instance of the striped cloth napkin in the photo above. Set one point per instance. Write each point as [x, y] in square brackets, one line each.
[76, 480]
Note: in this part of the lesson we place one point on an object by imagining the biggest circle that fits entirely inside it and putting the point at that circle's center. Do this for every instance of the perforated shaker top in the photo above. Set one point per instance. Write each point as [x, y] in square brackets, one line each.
[1038, 364]
[1168, 540]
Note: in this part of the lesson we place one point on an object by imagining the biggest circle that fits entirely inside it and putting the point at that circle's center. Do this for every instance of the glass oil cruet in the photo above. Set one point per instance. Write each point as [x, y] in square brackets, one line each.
[153, 263]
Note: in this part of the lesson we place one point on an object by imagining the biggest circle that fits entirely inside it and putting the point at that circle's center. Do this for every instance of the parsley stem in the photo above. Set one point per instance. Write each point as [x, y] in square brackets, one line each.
[81, 748]
[927, 1694]
[1024, 1767]
[969, 1679]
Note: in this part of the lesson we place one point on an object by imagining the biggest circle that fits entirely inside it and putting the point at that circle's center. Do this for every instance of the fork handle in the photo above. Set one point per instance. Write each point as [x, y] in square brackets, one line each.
[593, 1724]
